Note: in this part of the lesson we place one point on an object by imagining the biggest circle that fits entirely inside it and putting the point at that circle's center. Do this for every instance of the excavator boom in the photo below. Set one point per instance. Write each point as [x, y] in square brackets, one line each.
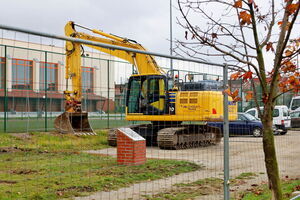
[145, 64]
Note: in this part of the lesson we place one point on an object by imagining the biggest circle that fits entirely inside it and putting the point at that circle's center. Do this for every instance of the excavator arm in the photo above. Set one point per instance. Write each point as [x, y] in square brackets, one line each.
[74, 120]
[145, 64]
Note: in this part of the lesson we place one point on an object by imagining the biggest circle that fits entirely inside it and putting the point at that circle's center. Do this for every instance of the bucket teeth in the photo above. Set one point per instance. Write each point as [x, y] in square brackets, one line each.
[76, 123]
[84, 133]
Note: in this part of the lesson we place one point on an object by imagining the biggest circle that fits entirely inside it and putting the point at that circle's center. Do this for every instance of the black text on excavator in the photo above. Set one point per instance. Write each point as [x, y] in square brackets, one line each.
[174, 109]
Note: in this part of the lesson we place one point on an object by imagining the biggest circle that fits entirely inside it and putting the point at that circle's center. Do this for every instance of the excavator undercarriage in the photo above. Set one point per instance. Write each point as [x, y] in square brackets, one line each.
[181, 136]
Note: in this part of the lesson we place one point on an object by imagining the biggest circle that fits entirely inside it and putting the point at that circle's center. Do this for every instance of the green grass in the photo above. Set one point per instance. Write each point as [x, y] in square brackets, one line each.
[262, 192]
[38, 124]
[49, 166]
[184, 191]
[214, 186]
[54, 142]
[31, 175]
[246, 175]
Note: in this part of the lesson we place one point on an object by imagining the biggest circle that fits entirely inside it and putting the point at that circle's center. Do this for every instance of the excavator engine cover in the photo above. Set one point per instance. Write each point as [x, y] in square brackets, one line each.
[73, 123]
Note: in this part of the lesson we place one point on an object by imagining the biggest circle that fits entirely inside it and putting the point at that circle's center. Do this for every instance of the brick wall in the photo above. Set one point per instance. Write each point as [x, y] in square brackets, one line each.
[130, 151]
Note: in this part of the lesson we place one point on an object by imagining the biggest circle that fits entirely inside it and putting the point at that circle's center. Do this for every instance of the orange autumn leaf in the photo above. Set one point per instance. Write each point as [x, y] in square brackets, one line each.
[291, 68]
[227, 91]
[235, 76]
[247, 75]
[292, 80]
[288, 52]
[245, 18]
[282, 84]
[235, 94]
[288, 66]
[292, 8]
[238, 4]
[249, 95]
[236, 99]
[287, 25]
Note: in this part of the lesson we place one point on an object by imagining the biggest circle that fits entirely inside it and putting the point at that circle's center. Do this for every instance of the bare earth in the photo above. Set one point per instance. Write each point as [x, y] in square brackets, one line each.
[246, 155]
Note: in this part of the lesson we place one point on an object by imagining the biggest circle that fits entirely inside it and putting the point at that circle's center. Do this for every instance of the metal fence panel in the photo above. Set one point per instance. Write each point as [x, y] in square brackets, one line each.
[40, 163]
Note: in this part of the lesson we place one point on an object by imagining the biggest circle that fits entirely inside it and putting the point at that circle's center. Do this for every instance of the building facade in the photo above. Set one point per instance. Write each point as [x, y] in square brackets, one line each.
[33, 78]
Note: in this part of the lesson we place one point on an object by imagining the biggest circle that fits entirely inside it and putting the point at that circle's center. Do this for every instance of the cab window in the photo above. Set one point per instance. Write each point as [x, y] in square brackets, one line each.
[251, 112]
[276, 112]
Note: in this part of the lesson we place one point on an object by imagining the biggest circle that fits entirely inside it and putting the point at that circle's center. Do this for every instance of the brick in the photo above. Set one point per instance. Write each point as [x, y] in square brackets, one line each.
[124, 151]
[129, 151]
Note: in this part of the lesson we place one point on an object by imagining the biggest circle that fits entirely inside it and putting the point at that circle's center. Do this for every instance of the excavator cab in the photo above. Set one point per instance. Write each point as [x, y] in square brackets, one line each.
[147, 95]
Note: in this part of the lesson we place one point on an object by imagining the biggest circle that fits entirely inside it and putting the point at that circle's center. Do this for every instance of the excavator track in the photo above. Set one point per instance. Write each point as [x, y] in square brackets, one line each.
[174, 137]
[188, 136]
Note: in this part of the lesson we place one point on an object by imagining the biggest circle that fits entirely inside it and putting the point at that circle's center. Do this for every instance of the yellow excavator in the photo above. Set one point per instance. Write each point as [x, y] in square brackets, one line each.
[176, 109]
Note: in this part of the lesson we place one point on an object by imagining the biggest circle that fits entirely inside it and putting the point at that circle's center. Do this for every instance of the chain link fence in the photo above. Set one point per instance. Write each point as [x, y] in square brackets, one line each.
[39, 163]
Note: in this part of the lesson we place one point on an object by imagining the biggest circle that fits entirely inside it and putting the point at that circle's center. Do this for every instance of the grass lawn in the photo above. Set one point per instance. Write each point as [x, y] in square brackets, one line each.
[49, 166]
[189, 191]
[214, 186]
[38, 124]
[262, 192]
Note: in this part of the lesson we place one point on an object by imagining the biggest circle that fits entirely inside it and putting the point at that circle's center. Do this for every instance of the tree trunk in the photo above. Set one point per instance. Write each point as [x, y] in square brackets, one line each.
[270, 154]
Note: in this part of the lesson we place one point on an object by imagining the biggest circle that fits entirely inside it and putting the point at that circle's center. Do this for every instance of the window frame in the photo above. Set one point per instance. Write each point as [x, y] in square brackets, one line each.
[18, 80]
[43, 65]
[2, 70]
[92, 72]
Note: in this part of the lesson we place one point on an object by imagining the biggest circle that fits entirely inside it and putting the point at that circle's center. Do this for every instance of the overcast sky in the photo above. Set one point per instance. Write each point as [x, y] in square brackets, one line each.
[146, 21]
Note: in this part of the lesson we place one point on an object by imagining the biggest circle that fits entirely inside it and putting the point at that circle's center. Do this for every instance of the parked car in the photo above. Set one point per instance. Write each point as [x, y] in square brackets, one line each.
[246, 124]
[281, 117]
[295, 103]
[295, 118]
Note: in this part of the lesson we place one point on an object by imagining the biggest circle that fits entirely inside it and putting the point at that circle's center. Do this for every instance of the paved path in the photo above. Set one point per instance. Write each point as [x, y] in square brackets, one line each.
[246, 155]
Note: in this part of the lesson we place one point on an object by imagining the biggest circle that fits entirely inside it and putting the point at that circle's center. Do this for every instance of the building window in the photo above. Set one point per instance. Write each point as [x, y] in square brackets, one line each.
[48, 76]
[22, 74]
[87, 79]
[2, 75]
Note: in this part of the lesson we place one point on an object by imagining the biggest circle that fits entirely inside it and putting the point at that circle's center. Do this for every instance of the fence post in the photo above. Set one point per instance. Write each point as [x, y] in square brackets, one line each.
[242, 105]
[45, 85]
[5, 89]
[226, 135]
[107, 93]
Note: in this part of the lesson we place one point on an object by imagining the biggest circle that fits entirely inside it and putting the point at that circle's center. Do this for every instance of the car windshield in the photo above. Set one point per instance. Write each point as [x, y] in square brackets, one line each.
[295, 104]
[250, 117]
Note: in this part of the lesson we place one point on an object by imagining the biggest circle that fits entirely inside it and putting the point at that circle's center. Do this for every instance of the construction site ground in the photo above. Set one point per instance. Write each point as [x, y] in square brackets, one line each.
[246, 156]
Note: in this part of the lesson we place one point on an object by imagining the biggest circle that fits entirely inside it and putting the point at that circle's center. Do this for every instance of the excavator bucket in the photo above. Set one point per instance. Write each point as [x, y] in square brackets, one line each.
[76, 123]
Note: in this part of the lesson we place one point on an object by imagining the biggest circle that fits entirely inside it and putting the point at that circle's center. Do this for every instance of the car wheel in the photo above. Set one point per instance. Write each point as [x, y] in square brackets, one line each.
[256, 132]
[283, 132]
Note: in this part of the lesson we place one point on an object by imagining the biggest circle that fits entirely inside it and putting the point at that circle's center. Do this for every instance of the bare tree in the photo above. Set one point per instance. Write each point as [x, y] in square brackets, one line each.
[241, 32]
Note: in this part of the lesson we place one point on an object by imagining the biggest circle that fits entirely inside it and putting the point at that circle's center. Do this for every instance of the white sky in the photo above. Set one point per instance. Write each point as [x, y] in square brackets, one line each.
[144, 21]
